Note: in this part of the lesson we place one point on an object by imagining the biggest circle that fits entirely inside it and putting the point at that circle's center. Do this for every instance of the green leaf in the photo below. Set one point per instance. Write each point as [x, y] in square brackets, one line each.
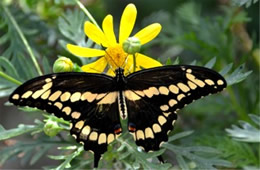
[71, 28]
[248, 3]
[38, 155]
[27, 149]
[226, 69]
[211, 63]
[193, 63]
[247, 132]
[8, 68]
[237, 76]
[176, 61]
[1, 128]
[21, 129]
[182, 163]
[67, 158]
[255, 119]
[180, 135]
[202, 162]
[141, 158]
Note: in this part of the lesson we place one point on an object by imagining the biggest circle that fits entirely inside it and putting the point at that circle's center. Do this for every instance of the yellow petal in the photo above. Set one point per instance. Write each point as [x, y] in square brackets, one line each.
[148, 33]
[84, 52]
[111, 72]
[143, 61]
[108, 29]
[95, 67]
[95, 34]
[127, 22]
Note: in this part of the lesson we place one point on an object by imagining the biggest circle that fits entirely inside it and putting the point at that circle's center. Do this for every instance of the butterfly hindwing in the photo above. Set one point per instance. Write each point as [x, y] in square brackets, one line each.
[154, 95]
[88, 101]
[93, 102]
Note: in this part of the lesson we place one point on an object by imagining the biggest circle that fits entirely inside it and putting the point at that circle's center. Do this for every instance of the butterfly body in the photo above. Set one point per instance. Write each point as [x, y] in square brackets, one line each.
[94, 103]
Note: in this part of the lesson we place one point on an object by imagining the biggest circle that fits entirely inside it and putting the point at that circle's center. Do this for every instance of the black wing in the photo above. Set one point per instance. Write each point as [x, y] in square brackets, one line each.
[88, 101]
[154, 95]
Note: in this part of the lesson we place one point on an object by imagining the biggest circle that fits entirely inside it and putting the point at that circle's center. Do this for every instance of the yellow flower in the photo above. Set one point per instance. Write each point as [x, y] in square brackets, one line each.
[113, 55]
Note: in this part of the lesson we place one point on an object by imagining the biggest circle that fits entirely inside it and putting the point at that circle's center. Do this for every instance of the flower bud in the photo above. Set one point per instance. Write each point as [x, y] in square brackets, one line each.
[132, 45]
[62, 64]
[51, 128]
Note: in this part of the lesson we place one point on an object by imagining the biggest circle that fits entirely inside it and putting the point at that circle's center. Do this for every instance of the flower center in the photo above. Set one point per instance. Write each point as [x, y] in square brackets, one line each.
[116, 56]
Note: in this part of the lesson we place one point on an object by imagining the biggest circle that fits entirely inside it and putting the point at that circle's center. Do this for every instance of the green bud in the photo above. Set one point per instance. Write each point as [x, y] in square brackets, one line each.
[132, 45]
[51, 128]
[192, 165]
[62, 64]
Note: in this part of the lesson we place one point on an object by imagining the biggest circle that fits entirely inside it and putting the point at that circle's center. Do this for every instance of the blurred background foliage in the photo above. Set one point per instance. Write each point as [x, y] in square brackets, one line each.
[223, 34]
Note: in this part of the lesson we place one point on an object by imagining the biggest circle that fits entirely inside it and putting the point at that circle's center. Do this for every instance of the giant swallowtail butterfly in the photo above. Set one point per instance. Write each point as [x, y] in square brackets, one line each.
[94, 103]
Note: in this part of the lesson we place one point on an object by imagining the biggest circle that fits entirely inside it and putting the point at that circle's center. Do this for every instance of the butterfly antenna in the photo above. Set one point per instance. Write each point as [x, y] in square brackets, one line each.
[111, 58]
[128, 69]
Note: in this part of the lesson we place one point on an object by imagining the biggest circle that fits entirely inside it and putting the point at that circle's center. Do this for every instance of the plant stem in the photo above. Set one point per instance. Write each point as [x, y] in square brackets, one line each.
[9, 78]
[13, 21]
[134, 59]
[90, 17]
[237, 106]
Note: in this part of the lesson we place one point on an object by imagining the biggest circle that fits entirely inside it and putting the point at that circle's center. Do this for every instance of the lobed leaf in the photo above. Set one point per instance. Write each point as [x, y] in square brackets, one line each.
[247, 132]
[21, 129]
[237, 76]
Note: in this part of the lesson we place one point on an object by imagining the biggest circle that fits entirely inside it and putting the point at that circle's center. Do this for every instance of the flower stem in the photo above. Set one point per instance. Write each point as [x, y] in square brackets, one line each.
[90, 17]
[134, 59]
[13, 21]
[9, 78]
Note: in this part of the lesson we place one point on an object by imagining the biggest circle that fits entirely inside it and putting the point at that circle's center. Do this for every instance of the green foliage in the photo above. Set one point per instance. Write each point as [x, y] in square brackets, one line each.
[248, 133]
[199, 157]
[194, 33]
[240, 154]
[247, 3]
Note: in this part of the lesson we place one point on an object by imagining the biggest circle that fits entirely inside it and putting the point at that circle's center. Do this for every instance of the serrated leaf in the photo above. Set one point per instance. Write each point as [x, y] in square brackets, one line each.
[255, 119]
[205, 149]
[180, 135]
[21, 129]
[8, 67]
[176, 61]
[72, 28]
[237, 76]
[193, 63]
[39, 154]
[68, 158]
[1, 128]
[226, 69]
[248, 133]
[202, 162]
[211, 63]
[57, 157]
[181, 162]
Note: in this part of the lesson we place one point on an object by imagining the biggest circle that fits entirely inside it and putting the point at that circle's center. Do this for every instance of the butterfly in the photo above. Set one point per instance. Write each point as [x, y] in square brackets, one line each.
[94, 103]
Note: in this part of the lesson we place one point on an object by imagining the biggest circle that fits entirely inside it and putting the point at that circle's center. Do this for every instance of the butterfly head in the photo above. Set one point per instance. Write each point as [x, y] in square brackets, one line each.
[120, 78]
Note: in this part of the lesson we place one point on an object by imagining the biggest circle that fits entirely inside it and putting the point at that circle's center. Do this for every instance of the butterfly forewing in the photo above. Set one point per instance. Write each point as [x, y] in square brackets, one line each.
[154, 95]
[88, 101]
[149, 98]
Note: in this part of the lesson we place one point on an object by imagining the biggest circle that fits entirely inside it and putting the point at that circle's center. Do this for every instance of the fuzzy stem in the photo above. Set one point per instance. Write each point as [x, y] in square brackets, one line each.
[90, 17]
[9, 78]
[13, 21]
